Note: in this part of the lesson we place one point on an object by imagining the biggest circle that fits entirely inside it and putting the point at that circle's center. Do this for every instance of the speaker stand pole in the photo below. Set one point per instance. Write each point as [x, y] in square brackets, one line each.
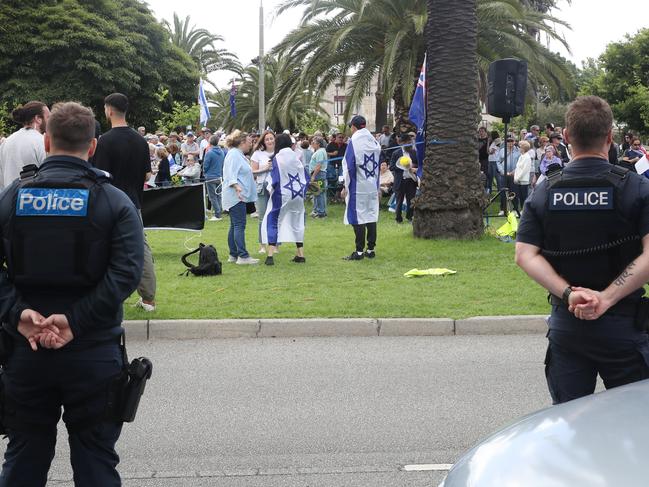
[505, 182]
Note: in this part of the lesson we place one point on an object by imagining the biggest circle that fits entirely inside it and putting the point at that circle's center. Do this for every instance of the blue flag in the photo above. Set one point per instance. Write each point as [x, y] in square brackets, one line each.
[417, 115]
[233, 102]
[202, 103]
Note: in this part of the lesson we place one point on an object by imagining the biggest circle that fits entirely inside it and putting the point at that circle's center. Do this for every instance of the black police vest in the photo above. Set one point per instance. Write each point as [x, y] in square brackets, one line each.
[588, 240]
[54, 239]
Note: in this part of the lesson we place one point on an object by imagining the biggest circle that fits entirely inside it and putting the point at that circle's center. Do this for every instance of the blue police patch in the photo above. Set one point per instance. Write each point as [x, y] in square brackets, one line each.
[52, 202]
[575, 199]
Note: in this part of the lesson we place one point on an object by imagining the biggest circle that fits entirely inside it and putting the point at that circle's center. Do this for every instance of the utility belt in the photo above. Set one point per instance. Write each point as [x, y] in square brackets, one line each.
[123, 395]
[638, 310]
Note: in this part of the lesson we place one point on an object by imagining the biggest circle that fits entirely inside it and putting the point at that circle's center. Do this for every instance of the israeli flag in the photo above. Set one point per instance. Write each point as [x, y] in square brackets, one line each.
[202, 103]
[361, 176]
[284, 218]
[417, 115]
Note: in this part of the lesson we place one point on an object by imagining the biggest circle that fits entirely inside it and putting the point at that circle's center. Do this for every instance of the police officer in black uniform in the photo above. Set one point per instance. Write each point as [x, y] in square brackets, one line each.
[584, 236]
[72, 245]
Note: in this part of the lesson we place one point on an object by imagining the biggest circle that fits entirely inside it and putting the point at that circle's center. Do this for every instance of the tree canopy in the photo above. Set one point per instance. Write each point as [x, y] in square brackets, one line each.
[281, 112]
[621, 76]
[200, 45]
[386, 37]
[54, 50]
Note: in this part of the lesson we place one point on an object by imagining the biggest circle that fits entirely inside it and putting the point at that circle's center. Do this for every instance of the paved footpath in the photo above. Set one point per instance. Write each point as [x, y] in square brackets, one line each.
[316, 412]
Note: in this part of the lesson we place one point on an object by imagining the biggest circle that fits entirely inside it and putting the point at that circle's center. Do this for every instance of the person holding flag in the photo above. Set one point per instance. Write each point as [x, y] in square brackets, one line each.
[417, 115]
[284, 218]
[361, 190]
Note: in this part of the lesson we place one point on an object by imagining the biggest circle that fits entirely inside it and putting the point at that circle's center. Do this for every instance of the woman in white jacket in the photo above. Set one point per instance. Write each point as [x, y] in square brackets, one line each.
[522, 172]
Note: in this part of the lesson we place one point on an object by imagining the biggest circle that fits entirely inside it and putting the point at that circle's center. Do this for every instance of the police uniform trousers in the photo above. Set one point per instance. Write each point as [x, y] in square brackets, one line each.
[37, 384]
[579, 350]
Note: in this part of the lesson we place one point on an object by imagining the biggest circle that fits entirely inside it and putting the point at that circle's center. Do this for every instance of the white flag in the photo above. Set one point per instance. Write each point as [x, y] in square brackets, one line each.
[202, 102]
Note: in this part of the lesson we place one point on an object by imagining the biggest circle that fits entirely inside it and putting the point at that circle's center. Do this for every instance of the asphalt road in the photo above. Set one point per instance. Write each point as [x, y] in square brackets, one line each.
[320, 412]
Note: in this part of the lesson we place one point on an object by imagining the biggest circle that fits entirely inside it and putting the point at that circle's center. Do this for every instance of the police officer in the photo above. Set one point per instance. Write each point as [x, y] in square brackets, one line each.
[584, 236]
[72, 245]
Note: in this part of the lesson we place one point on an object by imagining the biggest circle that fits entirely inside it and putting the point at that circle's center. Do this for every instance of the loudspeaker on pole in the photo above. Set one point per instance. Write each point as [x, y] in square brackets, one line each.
[507, 88]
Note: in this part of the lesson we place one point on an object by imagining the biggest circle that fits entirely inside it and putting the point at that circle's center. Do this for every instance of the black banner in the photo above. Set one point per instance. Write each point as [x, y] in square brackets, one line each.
[174, 207]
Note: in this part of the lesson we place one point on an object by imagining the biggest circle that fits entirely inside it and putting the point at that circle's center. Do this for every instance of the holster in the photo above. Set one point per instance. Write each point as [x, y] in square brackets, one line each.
[642, 315]
[128, 387]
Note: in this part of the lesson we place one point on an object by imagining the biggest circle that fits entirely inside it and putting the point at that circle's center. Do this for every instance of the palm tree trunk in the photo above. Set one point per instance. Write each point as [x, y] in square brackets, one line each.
[452, 197]
[381, 117]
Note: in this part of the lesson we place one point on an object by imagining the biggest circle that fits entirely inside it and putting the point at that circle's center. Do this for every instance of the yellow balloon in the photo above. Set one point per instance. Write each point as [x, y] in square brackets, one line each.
[405, 161]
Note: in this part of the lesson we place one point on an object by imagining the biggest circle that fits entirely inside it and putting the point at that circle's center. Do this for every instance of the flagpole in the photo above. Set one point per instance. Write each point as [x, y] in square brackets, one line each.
[262, 78]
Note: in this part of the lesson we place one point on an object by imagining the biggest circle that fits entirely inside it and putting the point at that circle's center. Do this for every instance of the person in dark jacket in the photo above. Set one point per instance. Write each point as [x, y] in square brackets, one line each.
[403, 164]
[163, 178]
[61, 308]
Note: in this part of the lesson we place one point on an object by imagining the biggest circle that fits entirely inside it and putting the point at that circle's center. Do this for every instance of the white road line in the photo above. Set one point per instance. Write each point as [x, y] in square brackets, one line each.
[428, 467]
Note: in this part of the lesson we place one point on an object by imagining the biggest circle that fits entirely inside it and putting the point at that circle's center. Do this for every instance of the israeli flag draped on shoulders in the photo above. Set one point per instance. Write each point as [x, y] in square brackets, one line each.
[284, 218]
[361, 174]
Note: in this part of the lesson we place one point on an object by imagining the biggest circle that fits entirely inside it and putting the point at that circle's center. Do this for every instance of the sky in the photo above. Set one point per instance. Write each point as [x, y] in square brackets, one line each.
[595, 23]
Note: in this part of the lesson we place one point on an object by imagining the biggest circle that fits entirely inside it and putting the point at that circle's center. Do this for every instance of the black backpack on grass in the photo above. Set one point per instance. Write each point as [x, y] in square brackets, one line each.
[208, 262]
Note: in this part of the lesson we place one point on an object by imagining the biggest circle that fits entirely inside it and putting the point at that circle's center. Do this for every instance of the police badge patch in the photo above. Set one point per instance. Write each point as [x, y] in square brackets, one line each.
[52, 202]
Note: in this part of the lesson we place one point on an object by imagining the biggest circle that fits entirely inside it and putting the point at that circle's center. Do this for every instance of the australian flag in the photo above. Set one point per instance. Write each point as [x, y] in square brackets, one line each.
[233, 101]
[417, 115]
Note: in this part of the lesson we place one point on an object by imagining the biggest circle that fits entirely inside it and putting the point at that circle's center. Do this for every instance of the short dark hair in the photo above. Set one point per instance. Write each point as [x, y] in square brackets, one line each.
[71, 126]
[589, 119]
[25, 114]
[117, 101]
[214, 140]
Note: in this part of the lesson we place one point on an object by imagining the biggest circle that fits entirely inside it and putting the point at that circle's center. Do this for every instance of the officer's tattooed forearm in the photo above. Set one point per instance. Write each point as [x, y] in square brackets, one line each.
[621, 280]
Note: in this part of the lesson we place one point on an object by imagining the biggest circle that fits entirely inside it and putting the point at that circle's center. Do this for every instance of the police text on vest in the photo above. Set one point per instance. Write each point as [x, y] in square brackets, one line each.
[572, 199]
[52, 202]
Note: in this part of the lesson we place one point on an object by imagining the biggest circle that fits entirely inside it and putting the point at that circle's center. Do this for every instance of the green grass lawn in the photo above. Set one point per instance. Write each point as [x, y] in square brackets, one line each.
[487, 280]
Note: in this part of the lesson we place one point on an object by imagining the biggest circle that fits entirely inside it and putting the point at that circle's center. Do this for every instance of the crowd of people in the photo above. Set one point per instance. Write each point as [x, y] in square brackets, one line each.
[531, 155]
[264, 175]
[246, 173]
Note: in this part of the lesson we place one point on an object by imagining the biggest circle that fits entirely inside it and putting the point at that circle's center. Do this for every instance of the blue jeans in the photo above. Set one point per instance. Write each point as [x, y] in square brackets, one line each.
[214, 194]
[237, 233]
[320, 201]
[39, 383]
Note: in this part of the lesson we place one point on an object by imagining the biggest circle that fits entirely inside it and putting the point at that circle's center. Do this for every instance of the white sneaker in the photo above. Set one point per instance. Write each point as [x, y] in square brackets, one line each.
[231, 259]
[254, 215]
[247, 261]
[501, 213]
[145, 306]
[215, 219]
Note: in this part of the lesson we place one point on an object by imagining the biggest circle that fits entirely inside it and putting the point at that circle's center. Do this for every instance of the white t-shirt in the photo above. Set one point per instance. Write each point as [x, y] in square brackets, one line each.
[20, 149]
[261, 157]
[203, 146]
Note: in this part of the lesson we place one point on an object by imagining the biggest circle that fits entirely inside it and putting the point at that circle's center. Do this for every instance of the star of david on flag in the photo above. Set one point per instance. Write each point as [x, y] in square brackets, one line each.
[370, 165]
[294, 179]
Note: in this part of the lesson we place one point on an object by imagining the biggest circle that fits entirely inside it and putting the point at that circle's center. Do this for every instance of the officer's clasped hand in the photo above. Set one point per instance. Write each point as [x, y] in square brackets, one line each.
[52, 332]
[587, 304]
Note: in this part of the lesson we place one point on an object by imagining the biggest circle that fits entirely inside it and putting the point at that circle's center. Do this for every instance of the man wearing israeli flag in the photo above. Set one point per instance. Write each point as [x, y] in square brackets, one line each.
[284, 218]
[361, 192]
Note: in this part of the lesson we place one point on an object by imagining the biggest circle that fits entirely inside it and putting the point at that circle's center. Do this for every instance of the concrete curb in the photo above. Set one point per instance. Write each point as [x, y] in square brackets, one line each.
[333, 327]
